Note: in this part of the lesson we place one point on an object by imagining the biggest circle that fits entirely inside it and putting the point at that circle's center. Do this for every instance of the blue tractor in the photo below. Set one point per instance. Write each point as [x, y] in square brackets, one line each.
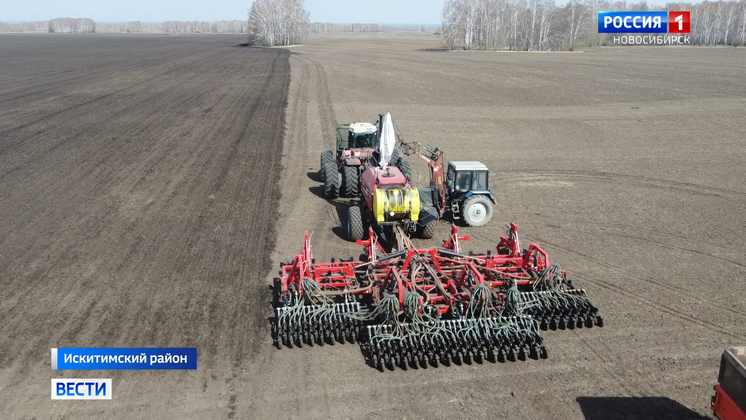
[464, 190]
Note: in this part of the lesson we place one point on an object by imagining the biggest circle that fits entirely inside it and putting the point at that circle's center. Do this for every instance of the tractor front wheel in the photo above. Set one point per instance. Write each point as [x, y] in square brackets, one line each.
[395, 158]
[405, 168]
[326, 156]
[355, 229]
[331, 180]
[477, 210]
[351, 181]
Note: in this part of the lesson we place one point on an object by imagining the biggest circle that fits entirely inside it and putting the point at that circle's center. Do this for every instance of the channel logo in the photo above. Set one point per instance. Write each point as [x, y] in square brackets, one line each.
[81, 389]
[679, 23]
[644, 22]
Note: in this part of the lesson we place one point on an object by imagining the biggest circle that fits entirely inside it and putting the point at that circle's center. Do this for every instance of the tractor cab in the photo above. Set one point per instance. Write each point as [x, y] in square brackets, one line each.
[468, 190]
[362, 136]
[464, 177]
[356, 140]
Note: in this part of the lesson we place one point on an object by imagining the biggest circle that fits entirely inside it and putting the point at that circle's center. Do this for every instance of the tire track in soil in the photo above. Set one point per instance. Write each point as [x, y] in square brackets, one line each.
[594, 176]
[336, 213]
[328, 122]
[326, 109]
[298, 156]
[341, 92]
[641, 388]
[276, 114]
[611, 373]
[639, 297]
[295, 157]
[650, 279]
[624, 227]
[598, 346]
[678, 248]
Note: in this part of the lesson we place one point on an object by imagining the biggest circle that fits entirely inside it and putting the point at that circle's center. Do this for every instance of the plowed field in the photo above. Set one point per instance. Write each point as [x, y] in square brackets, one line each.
[138, 178]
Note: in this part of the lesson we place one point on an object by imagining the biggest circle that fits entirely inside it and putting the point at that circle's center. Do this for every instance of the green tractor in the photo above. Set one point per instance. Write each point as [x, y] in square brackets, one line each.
[356, 146]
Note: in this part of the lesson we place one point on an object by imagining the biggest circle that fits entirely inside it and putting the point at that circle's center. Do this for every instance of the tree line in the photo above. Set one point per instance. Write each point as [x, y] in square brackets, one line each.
[128, 27]
[25, 27]
[73, 25]
[324, 28]
[278, 22]
[541, 25]
[181, 27]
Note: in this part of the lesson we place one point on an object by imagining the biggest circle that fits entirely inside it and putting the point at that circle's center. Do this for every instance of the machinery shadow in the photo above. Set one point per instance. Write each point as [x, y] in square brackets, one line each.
[314, 176]
[274, 297]
[318, 191]
[635, 408]
[340, 207]
[340, 232]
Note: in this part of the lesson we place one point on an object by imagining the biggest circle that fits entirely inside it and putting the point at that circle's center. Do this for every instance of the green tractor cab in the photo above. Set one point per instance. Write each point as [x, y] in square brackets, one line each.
[355, 140]
[356, 145]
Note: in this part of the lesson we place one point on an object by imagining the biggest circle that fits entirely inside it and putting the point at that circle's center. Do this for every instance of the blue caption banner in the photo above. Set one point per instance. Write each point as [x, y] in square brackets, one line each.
[124, 358]
[632, 22]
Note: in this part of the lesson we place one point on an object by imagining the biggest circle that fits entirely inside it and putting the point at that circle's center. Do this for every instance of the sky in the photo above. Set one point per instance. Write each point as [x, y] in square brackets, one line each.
[421, 12]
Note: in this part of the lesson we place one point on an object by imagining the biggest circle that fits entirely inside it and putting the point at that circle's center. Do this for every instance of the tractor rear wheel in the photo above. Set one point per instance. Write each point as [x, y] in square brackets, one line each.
[326, 156]
[331, 180]
[477, 210]
[355, 229]
[395, 158]
[405, 168]
[427, 231]
[350, 181]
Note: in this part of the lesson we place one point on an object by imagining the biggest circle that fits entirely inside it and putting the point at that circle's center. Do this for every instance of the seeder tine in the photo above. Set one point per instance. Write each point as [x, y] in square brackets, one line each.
[563, 309]
[317, 323]
[453, 341]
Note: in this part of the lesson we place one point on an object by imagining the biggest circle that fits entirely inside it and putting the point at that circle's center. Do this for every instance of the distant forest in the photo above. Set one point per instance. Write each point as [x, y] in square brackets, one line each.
[73, 25]
[541, 25]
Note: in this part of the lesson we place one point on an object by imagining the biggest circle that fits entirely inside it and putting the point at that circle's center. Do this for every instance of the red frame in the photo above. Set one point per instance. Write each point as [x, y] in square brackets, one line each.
[445, 283]
[724, 407]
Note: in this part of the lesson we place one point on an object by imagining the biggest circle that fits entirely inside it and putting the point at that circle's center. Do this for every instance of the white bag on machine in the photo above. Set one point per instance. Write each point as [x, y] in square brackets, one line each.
[388, 140]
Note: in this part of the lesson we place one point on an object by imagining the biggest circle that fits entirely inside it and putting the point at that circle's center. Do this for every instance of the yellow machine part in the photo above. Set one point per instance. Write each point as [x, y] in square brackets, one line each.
[396, 204]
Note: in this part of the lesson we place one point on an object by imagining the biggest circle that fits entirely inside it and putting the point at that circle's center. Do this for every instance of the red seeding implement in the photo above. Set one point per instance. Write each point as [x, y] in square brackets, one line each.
[729, 401]
[433, 305]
